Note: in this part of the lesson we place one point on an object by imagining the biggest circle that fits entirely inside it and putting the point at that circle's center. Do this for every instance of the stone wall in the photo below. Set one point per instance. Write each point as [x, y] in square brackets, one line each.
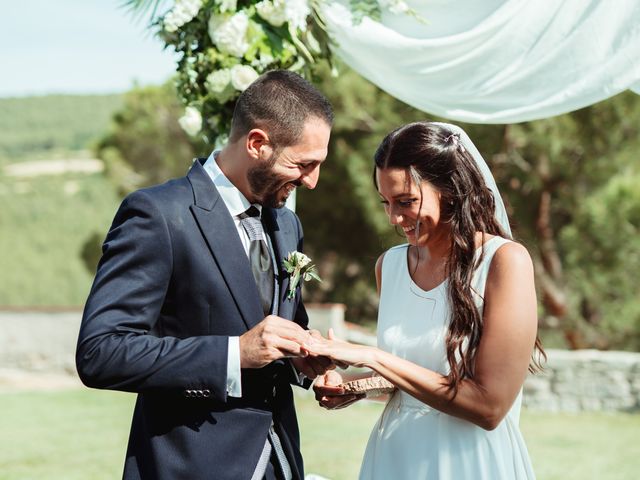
[39, 340]
[585, 380]
[43, 341]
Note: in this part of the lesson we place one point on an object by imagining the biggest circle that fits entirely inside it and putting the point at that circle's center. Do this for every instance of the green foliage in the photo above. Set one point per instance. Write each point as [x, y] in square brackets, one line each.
[44, 222]
[586, 245]
[223, 46]
[602, 259]
[53, 123]
[146, 145]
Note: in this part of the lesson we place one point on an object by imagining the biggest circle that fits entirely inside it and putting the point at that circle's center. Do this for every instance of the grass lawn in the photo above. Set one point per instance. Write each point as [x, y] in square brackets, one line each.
[79, 434]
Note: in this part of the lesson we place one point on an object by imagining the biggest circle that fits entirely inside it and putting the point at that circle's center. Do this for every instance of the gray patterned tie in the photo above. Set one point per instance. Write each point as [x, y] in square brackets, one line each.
[259, 256]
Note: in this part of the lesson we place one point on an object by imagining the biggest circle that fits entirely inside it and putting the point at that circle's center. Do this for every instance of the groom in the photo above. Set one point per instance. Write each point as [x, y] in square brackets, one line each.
[189, 305]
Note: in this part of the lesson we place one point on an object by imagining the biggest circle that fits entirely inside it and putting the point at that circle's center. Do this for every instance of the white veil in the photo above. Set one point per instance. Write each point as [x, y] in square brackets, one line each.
[501, 212]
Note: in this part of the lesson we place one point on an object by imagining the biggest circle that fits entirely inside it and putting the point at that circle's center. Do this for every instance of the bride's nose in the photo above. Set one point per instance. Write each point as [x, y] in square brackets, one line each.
[395, 218]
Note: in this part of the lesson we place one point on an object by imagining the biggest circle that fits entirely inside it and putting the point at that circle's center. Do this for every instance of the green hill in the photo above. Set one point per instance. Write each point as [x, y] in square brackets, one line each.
[36, 126]
[46, 217]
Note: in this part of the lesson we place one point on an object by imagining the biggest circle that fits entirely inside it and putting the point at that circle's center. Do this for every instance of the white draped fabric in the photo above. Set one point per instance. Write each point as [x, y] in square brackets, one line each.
[496, 61]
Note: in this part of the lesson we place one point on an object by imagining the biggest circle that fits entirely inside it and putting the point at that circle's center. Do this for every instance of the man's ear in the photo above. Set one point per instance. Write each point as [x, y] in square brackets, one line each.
[258, 145]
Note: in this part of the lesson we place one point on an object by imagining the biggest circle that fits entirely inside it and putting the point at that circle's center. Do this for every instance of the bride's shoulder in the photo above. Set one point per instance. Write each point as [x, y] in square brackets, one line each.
[398, 250]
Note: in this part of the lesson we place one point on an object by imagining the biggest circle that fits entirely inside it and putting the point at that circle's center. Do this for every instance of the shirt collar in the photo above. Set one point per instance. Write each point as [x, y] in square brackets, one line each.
[233, 198]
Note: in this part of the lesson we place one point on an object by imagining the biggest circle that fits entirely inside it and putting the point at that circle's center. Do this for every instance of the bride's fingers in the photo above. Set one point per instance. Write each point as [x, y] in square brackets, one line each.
[330, 334]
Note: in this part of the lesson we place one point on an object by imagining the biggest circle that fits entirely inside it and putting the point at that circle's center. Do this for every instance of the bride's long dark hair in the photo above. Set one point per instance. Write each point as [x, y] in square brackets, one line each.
[432, 153]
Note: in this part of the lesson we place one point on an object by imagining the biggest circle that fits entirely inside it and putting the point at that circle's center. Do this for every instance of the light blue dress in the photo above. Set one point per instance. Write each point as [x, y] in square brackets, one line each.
[412, 441]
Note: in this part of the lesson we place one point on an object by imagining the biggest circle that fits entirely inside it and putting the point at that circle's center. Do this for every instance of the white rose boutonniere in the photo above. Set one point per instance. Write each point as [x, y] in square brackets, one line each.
[298, 266]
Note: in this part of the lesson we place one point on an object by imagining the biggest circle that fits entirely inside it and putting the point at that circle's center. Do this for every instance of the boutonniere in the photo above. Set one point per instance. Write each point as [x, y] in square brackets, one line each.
[298, 266]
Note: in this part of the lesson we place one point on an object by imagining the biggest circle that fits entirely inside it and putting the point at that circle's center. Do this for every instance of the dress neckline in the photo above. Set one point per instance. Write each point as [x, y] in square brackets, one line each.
[421, 292]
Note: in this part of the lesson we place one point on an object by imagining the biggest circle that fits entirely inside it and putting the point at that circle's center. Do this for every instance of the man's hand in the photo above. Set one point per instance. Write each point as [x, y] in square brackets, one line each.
[313, 365]
[329, 395]
[272, 339]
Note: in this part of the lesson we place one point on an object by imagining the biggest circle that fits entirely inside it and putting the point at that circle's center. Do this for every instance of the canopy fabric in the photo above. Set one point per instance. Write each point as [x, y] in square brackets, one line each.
[495, 61]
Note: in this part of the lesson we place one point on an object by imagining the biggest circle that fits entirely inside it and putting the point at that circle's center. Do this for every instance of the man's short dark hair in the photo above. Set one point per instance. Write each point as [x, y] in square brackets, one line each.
[279, 102]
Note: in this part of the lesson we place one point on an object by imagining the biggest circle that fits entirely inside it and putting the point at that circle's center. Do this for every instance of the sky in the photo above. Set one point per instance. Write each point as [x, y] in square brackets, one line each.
[77, 47]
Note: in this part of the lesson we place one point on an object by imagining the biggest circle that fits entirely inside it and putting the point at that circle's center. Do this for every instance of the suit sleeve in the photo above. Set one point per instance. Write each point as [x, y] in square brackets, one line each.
[115, 348]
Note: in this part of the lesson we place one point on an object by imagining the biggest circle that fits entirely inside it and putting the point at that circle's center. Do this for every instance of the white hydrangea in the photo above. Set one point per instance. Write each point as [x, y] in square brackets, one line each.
[191, 121]
[277, 12]
[182, 12]
[218, 81]
[229, 34]
[242, 76]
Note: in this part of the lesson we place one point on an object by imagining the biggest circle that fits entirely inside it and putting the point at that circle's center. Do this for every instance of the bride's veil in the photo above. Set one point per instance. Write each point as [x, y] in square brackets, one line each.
[501, 212]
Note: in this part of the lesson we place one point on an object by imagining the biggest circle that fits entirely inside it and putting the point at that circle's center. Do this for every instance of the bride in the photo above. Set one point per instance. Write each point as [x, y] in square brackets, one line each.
[457, 323]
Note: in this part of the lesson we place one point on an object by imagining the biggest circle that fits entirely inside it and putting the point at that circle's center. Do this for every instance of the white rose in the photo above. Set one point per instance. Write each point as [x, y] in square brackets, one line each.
[242, 76]
[300, 259]
[191, 121]
[272, 11]
[219, 80]
[229, 34]
[182, 12]
[297, 12]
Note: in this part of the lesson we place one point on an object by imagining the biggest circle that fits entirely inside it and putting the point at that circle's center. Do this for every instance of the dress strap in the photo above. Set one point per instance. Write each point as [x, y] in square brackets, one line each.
[488, 250]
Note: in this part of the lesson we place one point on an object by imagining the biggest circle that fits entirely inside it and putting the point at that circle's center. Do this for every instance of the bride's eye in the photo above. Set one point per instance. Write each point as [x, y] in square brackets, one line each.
[406, 203]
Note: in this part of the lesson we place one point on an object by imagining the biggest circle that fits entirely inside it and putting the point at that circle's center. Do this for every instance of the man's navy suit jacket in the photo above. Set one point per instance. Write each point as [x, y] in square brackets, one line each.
[174, 282]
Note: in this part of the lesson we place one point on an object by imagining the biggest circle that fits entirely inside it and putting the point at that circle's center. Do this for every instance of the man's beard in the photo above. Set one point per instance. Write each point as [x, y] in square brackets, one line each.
[267, 186]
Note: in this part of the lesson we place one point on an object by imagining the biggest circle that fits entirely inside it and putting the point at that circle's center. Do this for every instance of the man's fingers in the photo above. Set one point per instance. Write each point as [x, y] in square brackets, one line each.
[286, 329]
[288, 348]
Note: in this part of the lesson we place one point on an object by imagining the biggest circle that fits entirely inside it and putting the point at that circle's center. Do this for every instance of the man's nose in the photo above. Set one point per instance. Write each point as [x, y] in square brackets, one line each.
[310, 179]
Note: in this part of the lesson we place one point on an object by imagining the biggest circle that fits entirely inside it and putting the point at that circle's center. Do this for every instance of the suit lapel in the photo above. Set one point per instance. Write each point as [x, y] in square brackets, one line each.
[221, 235]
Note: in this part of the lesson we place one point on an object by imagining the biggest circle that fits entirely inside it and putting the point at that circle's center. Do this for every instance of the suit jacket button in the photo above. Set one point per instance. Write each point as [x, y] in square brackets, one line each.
[199, 393]
[206, 392]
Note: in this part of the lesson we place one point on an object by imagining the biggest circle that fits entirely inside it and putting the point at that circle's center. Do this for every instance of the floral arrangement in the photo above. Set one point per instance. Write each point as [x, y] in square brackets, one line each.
[226, 44]
[299, 266]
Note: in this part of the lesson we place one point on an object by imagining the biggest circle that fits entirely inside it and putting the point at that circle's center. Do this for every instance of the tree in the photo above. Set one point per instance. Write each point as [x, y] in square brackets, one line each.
[146, 144]
[552, 171]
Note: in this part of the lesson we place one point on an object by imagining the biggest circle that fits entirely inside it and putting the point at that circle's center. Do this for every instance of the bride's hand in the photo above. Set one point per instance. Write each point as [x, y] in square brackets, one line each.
[341, 352]
[329, 395]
